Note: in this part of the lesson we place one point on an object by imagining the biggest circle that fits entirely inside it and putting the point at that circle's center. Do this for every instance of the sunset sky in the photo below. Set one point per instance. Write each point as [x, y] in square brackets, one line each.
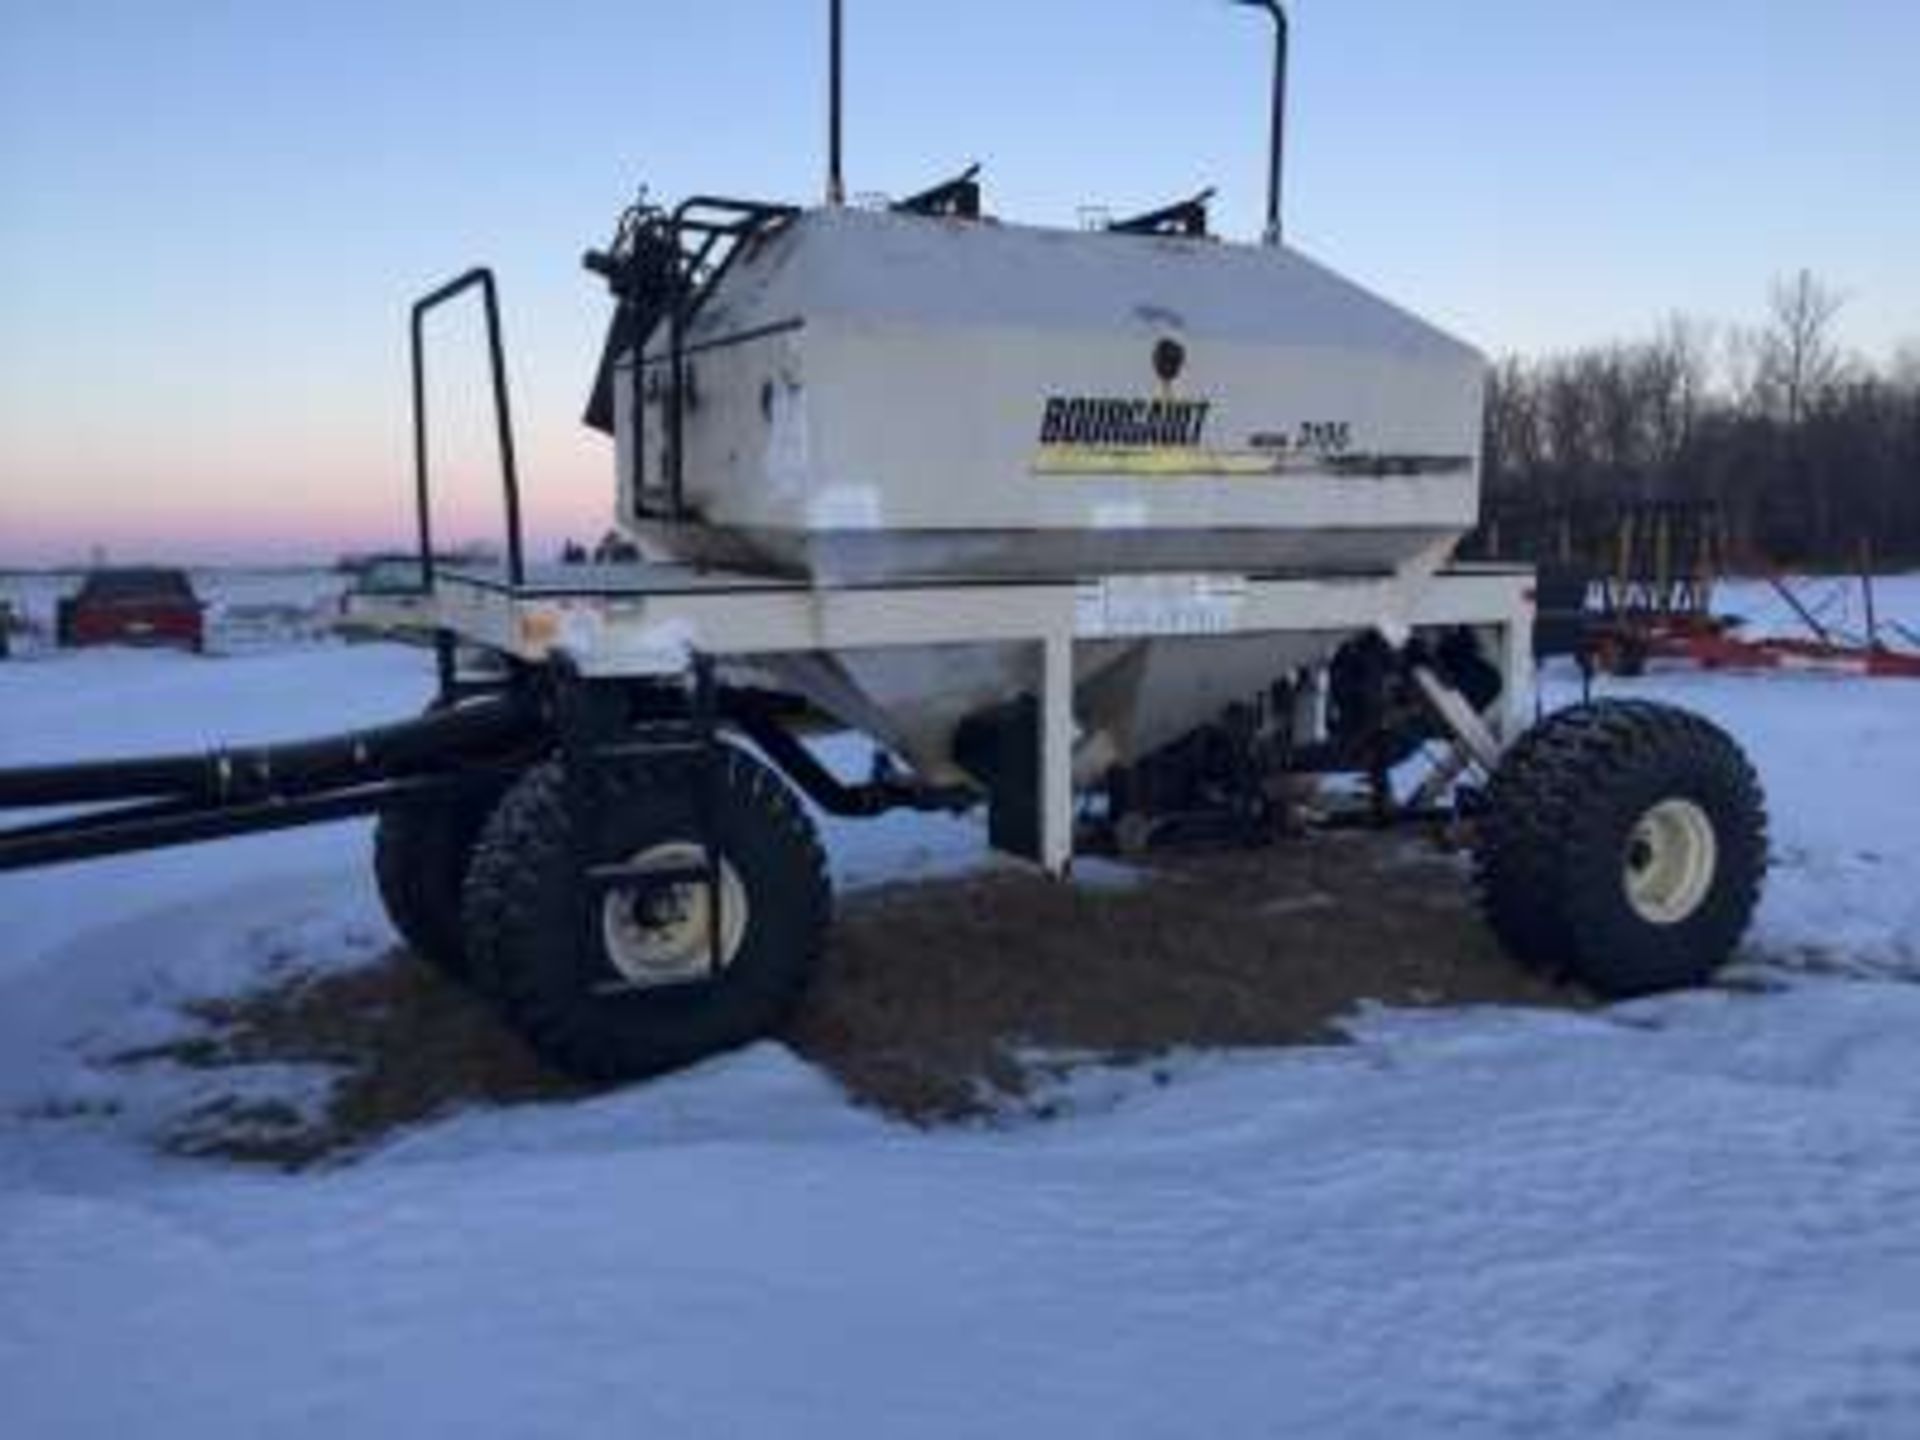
[214, 213]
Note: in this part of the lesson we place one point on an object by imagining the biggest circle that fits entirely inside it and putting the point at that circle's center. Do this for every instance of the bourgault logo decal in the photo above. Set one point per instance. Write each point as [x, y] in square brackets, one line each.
[1112, 423]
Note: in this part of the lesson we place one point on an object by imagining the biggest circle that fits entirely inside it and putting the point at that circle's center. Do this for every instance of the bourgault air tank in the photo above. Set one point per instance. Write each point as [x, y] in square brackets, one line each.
[883, 395]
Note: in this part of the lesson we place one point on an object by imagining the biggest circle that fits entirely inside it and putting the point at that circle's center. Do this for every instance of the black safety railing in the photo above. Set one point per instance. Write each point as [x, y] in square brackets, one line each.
[701, 226]
[661, 268]
[482, 278]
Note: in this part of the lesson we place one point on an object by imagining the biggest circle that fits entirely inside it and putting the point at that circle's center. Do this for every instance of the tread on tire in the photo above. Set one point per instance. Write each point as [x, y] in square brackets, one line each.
[1552, 850]
[539, 955]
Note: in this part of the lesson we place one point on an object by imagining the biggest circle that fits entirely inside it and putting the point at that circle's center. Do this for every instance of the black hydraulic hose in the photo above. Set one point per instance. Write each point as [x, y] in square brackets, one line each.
[826, 789]
[796, 762]
[437, 738]
[154, 827]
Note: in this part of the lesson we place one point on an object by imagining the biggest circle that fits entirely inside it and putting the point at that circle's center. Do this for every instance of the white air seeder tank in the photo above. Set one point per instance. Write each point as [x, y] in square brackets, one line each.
[933, 397]
[877, 396]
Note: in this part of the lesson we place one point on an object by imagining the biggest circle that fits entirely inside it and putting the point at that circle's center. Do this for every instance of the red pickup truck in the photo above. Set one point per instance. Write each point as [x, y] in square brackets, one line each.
[129, 606]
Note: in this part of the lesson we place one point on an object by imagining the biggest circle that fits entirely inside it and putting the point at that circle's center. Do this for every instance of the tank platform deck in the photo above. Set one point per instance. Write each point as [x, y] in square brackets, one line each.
[640, 619]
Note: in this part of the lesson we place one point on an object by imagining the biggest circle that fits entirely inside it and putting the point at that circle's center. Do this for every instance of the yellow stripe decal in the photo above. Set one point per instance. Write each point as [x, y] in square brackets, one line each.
[1167, 461]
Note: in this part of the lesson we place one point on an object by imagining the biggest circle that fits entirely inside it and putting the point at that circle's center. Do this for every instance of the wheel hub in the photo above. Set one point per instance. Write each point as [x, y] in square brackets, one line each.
[1671, 858]
[664, 936]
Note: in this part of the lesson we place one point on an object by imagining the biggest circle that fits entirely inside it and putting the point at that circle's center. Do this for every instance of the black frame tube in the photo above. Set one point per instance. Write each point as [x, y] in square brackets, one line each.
[435, 740]
[155, 827]
[836, 182]
[502, 417]
[1276, 142]
[168, 800]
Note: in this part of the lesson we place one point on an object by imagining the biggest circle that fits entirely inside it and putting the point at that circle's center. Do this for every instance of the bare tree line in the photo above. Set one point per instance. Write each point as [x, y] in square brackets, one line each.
[1808, 451]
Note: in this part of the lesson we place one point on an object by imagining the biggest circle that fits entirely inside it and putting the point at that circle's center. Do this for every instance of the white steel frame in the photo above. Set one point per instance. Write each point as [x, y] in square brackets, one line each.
[632, 631]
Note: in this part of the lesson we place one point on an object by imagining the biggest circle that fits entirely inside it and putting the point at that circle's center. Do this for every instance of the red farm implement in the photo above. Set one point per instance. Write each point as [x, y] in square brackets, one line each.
[1625, 584]
[1877, 648]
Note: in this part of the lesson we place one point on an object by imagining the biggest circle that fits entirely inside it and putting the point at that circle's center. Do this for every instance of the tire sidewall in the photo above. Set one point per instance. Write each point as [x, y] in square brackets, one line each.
[1644, 955]
[549, 959]
[421, 861]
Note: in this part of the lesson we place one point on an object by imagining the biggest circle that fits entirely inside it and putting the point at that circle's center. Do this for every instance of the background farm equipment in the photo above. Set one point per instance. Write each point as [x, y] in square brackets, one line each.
[386, 599]
[1624, 584]
[1844, 634]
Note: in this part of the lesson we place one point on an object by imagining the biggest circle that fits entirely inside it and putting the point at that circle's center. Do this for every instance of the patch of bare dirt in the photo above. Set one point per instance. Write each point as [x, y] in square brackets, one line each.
[938, 1001]
[404, 1045]
[932, 993]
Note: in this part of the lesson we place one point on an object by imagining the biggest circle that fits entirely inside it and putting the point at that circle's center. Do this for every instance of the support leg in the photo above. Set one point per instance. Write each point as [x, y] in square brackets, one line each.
[1467, 727]
[1519, 697]
[1056, 754]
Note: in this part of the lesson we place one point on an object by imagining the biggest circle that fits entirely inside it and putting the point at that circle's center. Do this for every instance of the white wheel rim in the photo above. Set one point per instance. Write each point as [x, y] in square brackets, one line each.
[1672, 856]
[663, 939]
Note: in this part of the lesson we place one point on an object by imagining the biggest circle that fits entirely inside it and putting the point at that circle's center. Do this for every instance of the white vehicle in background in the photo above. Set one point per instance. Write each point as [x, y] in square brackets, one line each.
[387, 600]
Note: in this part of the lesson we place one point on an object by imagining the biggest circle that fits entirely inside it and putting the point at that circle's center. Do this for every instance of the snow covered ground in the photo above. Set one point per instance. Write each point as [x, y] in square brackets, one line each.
[1699, 1214]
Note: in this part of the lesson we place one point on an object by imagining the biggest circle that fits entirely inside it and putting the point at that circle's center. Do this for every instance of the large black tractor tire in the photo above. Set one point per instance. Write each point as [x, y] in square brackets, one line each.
[420, 860]
[616, 986]
[1622, 844]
